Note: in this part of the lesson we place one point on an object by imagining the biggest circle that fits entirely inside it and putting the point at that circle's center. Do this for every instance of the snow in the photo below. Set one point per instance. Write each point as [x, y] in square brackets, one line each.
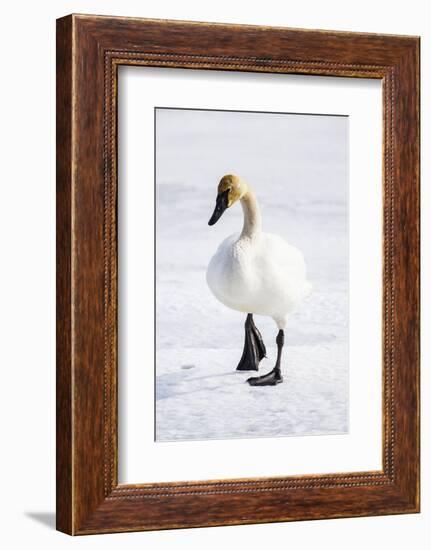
[298, 167]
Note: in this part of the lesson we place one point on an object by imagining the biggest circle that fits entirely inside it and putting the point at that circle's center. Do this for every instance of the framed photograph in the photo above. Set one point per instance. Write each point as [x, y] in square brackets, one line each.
[237, 274]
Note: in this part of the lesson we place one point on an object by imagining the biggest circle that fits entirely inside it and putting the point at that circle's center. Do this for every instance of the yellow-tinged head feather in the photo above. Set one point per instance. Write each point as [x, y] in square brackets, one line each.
[235, 186]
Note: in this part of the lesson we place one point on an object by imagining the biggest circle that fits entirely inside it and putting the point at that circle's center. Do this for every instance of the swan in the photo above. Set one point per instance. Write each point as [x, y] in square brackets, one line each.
[255, 273]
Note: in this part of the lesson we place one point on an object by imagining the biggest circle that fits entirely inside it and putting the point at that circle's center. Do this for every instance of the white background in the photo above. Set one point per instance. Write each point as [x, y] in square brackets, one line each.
[141, 458]
[27, 290]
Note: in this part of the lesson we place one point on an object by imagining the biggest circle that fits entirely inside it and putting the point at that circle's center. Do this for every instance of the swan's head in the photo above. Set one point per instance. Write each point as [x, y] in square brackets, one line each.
[230, 190]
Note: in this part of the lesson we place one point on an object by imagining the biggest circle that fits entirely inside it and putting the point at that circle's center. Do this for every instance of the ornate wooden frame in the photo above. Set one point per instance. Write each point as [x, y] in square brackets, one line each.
[89, 51]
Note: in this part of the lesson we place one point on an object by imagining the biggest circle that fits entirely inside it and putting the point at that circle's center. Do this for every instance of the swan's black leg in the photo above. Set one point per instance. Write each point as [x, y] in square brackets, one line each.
[254, 348]
[273, 377]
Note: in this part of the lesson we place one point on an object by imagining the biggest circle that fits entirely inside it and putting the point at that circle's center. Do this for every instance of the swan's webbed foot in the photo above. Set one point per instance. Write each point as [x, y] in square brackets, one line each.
[271, 379]
[254, 348]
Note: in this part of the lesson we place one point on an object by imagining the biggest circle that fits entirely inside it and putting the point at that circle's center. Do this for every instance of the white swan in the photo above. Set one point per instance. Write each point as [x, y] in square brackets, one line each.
[255, 272]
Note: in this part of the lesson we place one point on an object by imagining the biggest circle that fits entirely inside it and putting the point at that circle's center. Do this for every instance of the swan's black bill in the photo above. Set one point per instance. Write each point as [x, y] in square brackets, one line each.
[220, 207]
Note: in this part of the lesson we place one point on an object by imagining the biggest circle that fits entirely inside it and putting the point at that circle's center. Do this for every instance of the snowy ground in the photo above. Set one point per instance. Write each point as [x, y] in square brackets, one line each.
[199, 395]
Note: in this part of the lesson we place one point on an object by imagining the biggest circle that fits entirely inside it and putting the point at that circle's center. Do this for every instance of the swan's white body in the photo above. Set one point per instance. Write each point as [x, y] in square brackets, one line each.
[256, 272]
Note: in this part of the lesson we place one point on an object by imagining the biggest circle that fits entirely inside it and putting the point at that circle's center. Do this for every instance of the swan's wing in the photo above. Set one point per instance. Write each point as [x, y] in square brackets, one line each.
[284, 255]
[285, 264]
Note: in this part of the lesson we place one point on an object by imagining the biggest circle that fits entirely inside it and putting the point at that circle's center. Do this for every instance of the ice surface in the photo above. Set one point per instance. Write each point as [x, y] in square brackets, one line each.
[298, 167]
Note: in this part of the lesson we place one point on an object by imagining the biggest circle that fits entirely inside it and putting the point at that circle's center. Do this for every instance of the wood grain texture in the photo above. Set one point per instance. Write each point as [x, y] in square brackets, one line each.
[90, 49]
[64, 497]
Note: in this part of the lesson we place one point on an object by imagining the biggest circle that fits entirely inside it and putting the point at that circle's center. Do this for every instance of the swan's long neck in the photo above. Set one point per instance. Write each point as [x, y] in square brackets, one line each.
[252, 219]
